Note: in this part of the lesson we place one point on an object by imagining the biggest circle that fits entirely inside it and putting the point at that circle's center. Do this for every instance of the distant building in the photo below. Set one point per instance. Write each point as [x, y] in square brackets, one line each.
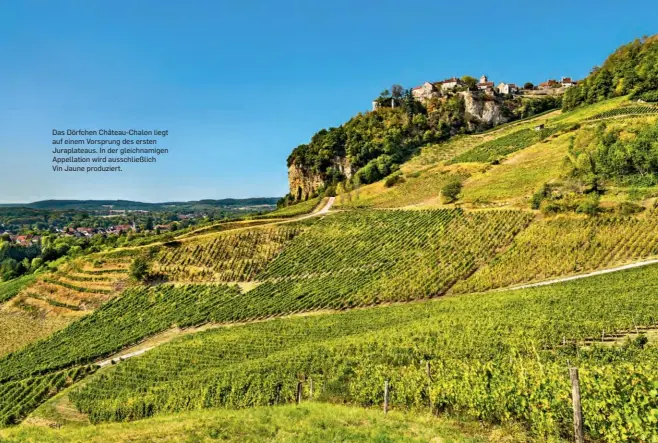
[549, 84]
[449, 83]
[566, 82]
[424, 91]
[485, 84]
[507, 88]
[87, 232]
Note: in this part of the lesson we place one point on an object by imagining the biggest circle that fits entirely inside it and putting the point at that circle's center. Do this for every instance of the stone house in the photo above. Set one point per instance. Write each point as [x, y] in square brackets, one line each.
[449, 84]
[424, 92]
[484, 84]
[551, 83]
[507, 88]
[566, 82]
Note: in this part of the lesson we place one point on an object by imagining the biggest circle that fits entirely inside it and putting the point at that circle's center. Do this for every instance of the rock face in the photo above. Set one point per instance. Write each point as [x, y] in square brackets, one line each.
[304, 183]
[486, 109]
[481, 108]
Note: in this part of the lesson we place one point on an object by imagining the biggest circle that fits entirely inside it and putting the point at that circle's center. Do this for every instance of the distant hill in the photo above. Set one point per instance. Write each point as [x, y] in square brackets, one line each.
[99, 205]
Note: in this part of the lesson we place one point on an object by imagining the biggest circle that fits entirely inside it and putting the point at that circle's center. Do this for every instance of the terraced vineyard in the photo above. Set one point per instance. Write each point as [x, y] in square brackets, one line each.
[496, 358]
[229, 257]
[10, 289]
[498, 148]
[626, 111]
[564, 246]
[18, 398]
[138, 313]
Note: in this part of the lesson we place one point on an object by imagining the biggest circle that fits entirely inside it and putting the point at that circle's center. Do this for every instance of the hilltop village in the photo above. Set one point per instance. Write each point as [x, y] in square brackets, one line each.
[429, 90]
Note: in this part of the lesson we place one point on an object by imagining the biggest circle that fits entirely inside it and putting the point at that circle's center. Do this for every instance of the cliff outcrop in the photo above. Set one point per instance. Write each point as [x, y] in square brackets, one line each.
[488, 110]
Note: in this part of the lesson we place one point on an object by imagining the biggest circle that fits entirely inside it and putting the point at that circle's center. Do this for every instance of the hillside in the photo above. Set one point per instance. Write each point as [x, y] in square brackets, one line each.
[104, 205]
[402, 290]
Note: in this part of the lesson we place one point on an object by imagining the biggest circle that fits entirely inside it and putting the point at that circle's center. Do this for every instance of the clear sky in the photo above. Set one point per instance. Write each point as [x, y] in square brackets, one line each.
[239, 84]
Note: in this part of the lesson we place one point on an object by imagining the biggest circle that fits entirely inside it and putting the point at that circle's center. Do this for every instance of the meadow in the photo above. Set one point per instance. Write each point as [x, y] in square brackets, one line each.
[309, 422]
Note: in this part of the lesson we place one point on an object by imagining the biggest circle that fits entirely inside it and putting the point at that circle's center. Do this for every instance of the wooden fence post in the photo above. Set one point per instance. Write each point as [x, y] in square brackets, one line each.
[386, 397]
[428, 369]
[299, 392]
[577, 408]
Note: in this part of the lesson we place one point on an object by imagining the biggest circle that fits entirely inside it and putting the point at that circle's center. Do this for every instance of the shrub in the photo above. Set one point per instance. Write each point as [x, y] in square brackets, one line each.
[551, 208]
[394, 179]
[139, 269]
[628, 208]
[589, 206]
[451, 190]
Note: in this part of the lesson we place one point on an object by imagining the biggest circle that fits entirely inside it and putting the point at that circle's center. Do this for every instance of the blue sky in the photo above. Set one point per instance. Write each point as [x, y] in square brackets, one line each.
[239, 84]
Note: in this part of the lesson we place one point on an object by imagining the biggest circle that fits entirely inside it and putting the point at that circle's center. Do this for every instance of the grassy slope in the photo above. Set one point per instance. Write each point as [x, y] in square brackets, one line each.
[511, 182]
[308, 423]
[518, 177]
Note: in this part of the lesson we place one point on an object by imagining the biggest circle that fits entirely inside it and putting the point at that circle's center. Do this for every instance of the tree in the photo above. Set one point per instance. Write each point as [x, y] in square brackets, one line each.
[471, 82]
[384, 94]
[139, 269]
[397, 91]
[451, 190]
[528, 86]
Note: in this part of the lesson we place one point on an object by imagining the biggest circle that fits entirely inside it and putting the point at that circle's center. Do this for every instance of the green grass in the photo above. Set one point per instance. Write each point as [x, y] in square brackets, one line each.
[417, 188]
[307, 423]
[519, 176]
[498, 358]
[10, 289]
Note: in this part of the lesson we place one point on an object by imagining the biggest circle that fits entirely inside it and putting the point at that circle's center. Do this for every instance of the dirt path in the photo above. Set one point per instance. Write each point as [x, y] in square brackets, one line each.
[590, 274]
[167, 336]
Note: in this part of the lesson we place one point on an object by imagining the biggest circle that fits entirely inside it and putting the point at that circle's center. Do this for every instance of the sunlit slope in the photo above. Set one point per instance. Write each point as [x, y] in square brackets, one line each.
[502, 167]
[565, 246]
[43, 304]
[307, 423]
[493, 357]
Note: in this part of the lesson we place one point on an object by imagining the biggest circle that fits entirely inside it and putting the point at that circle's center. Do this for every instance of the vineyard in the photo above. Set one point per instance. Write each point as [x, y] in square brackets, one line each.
[10, 289]
[626, 111]
[564, 246]
[138, 313]
[368, 257]
[349, 259]
[25, 321]
[498, 148]
[18, 398]
[229, 257]
[295, 210]
[497, 358]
